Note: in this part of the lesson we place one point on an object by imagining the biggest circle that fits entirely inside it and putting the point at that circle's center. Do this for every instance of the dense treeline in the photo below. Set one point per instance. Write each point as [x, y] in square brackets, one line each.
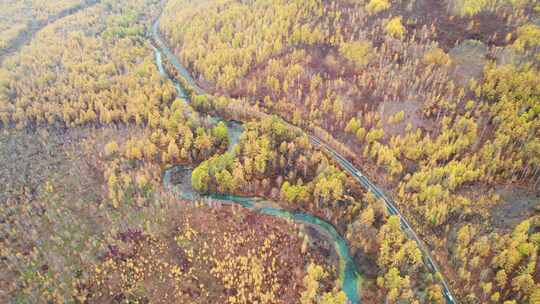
[270, 149]
[444, 121]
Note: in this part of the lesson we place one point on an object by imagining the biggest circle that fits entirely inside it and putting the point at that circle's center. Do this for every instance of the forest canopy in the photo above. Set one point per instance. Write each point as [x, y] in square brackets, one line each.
[270, 151]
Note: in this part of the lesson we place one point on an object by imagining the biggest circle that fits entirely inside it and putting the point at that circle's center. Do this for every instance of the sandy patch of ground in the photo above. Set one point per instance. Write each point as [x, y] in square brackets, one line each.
[516, 205]
[469, 59]
[413, 116]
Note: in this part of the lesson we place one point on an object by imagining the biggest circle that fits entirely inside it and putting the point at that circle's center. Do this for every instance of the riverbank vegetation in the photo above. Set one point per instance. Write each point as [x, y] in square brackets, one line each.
[435, 100]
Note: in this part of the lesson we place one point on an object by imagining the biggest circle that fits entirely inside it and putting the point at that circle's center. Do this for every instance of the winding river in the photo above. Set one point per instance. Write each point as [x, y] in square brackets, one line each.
[348, 272]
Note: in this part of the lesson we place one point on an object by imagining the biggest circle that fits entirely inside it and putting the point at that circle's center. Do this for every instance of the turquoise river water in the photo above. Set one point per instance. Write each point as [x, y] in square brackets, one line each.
[348, 272]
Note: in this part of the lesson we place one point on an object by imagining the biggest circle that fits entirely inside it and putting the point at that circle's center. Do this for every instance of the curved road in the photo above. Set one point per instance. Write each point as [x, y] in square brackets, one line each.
[342, 161]
[392, 209]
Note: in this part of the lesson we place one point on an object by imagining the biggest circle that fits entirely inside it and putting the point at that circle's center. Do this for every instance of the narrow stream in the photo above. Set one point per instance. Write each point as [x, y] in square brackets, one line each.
[348, 273]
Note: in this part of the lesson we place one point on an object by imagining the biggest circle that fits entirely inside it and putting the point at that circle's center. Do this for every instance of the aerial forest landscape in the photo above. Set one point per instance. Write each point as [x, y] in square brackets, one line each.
[270, 151]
